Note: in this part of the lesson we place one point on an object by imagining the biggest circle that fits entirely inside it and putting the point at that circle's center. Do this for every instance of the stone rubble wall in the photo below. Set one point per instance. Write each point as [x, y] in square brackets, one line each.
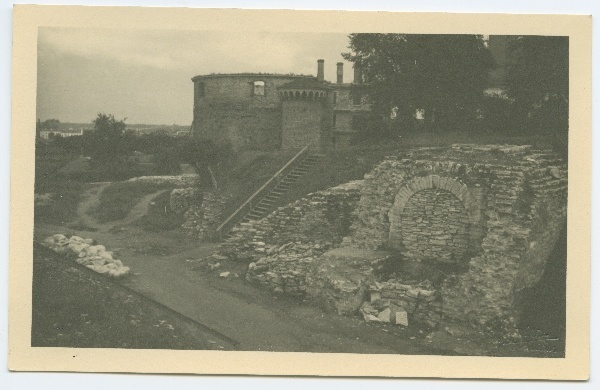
[525, 213]
[435, 226]
[200, 221]
[506, 206]
[520, 202]
[282, 246]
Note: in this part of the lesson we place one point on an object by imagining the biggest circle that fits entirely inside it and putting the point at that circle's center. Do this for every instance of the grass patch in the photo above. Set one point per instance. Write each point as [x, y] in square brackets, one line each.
[73, 308]
[62, 208]
[117, 200]
[160, 217]
[251, 170]
[344, 165]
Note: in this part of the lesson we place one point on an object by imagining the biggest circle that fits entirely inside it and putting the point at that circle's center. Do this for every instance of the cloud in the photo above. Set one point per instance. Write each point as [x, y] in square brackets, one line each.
[145, 74]
[208, 51]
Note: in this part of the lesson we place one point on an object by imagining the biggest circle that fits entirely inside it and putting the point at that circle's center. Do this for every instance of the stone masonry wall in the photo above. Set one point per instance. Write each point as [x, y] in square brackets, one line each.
[281, 246]
[515, 197]
[302, 123]
[493, 212]
[226, 109]
[435, 226]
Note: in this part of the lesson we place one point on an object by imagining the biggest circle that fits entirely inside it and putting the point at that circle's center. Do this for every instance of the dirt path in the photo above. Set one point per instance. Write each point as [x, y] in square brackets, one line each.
[164, 269]
[91, 199]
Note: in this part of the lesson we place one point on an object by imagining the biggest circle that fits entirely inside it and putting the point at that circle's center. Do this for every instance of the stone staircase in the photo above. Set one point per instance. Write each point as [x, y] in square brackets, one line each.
[267, 198]
[267, 204]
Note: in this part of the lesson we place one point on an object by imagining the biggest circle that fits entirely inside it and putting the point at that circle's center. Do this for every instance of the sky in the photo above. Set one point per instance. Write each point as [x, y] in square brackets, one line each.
[145, 75]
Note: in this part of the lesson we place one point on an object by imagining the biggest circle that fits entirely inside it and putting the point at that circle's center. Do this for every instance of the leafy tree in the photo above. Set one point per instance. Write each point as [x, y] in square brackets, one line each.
[205, 156]
[106, 144]
[445, 75]
[538, 82]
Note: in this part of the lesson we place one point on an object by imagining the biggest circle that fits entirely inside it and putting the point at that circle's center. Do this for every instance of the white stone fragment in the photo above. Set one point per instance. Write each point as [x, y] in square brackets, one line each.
[402, 318]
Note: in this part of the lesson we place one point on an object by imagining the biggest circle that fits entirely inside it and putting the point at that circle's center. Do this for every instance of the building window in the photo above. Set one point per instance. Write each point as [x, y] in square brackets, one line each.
[356, 99]
[259, 88]
[335, 98]
[199, 89]
[334, 120]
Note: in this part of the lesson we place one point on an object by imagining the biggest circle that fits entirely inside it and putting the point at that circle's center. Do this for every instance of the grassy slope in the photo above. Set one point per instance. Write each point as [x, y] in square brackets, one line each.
[160, 217]
[250, 172]
[343, 165]
[72, 308]
[117, 200]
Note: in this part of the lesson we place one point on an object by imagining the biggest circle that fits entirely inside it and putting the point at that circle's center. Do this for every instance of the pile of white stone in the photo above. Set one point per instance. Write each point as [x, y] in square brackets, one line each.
[179, 181]
[95, 257]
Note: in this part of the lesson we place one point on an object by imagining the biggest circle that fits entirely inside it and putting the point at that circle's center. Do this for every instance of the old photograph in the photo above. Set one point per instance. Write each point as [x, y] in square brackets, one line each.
[390, 193]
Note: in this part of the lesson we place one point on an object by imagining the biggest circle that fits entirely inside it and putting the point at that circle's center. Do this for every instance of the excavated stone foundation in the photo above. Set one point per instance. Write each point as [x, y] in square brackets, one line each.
[433, 236]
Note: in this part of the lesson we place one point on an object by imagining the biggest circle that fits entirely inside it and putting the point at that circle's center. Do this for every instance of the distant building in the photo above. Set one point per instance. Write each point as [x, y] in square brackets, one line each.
[46, 134]
[274, 111]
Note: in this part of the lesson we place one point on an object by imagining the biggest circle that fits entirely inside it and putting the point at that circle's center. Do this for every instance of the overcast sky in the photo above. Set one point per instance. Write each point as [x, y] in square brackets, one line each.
[144, 76]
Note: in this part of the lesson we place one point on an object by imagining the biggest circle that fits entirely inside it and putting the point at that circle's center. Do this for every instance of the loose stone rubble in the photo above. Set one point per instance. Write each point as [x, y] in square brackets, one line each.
[395, 301]
[180, 181]
[84, 252]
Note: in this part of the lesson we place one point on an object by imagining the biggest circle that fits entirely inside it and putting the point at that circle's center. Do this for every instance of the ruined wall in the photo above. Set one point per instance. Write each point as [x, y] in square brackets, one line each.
[514, 200]
[447, 235]
[303, 122]
[283, 245]
[434, 225]
[226, 107]
[203, 212]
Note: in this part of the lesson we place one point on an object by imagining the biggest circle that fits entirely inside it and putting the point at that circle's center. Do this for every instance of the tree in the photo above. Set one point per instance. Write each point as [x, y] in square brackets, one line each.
[106, 144]
[204, 156]
[444, 75]
[538, 82]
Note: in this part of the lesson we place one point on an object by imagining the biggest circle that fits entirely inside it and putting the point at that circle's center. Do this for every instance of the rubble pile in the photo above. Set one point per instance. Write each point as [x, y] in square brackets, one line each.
[284, 269]
[180, 181]
[83, 250]
[398, 302]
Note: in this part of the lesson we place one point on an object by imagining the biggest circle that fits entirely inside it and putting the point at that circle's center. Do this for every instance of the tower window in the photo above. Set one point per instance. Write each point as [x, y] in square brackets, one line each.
[259, 88]
[335, 98]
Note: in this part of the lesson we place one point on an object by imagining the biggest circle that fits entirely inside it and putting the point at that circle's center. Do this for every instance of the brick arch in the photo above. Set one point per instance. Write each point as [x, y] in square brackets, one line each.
[434, 182]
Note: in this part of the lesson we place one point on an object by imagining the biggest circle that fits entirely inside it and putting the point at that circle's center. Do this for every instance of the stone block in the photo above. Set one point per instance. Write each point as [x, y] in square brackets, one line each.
[385, 315]
[401, 318]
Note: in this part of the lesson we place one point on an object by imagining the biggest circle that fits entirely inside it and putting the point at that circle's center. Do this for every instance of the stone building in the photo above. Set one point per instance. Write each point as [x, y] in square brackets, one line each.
[273, 111]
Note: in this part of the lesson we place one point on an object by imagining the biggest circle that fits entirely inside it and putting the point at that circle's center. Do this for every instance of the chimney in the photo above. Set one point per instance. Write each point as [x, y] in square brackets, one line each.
[357, 73]
[320, 70]
[340, 73]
